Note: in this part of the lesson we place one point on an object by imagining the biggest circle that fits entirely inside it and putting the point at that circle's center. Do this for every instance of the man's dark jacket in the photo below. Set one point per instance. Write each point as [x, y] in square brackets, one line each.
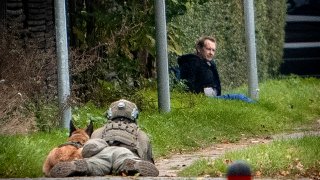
[198, 73]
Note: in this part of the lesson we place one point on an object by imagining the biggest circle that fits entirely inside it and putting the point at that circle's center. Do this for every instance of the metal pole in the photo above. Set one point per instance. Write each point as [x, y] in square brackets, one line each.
[63, 67]
[162, 57]
[251, 49]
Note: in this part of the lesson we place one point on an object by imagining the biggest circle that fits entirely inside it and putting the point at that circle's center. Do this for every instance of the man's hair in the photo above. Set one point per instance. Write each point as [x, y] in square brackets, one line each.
[200, 42]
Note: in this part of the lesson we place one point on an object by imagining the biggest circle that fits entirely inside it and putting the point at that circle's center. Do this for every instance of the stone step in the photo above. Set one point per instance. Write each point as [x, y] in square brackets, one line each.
[302, 29]
[301, 66]
[302, 50]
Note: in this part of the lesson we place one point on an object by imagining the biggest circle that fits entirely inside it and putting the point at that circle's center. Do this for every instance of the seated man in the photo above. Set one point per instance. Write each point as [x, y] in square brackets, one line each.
[117, 148]
[200, 71]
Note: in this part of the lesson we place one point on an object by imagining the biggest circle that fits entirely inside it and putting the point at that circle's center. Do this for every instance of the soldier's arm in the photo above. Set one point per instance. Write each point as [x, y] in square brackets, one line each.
[93, 147]
[144, 147]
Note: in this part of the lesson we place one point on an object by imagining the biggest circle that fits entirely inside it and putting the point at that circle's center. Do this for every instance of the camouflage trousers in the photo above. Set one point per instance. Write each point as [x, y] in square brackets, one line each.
[103, 159]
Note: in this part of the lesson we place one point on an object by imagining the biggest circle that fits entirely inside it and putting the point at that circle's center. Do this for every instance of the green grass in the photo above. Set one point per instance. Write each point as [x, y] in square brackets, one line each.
[194, 121]
[23, 156]
[197, 121]
[283, 158]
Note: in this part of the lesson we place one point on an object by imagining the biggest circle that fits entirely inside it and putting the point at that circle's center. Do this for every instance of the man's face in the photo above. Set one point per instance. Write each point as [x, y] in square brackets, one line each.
[208, 50]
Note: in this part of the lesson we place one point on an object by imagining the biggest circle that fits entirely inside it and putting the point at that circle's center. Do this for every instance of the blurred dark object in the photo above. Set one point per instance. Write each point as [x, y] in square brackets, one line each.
[239, 170]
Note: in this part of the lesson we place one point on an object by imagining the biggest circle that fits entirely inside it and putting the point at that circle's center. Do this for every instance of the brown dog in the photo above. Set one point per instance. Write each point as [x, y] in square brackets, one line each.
[70, 150]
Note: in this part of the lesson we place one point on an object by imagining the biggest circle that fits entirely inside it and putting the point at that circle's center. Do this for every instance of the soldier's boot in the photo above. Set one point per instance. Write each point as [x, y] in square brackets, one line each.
[71, 168]
[131, 167]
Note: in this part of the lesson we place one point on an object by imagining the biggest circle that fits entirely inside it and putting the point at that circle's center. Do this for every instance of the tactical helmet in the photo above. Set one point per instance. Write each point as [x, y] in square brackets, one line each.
[123, 108]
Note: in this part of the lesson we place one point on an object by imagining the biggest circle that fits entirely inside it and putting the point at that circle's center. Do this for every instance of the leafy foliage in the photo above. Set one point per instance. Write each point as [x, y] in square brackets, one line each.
[225, 21]
[125, 33]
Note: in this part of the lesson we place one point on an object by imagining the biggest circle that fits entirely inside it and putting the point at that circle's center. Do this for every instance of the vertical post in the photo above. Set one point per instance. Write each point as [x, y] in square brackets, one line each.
[63, 67]
[162, 57]
[251, 49]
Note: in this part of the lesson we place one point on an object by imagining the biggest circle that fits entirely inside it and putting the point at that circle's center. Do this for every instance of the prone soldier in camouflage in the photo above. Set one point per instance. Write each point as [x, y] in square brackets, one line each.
[117, 148]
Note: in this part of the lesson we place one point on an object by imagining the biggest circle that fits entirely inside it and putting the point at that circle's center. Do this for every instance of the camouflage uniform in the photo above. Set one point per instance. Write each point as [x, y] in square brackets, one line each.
[118, 148]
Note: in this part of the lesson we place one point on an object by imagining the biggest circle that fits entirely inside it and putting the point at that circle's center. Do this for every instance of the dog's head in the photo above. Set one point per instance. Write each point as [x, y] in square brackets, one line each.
[80, 135]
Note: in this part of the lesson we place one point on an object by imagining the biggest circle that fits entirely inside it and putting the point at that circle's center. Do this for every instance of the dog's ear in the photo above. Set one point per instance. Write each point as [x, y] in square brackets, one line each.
[89, 129]
[72, 128]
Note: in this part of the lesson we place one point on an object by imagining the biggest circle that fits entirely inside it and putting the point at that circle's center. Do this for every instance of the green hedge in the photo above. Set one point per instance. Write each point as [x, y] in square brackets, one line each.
[225, 20]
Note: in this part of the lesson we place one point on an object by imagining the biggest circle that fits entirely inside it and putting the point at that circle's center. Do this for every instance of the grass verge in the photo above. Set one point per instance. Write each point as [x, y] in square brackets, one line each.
[195, 121]
[294, 158]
